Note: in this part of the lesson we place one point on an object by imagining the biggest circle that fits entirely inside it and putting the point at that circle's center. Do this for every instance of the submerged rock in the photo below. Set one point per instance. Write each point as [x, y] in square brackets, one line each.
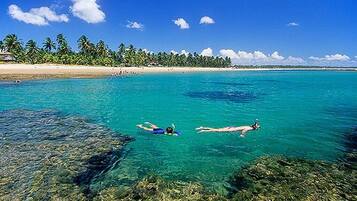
[48, 156]
[279, 178]
[154, 188]
[268, 178]
[231, 96]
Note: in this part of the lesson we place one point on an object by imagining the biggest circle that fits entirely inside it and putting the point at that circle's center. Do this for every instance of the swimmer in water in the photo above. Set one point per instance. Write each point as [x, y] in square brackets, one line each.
[242, 129]
[154, 129]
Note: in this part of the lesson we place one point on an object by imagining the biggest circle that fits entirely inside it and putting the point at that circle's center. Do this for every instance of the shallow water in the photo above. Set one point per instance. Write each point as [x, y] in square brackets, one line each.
[302, 114]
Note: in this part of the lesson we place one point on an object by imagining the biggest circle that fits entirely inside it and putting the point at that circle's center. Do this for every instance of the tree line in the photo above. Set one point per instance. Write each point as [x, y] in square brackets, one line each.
[58, 51]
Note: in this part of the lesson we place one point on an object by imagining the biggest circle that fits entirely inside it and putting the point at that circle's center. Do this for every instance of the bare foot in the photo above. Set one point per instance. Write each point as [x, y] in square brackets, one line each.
[199, 128]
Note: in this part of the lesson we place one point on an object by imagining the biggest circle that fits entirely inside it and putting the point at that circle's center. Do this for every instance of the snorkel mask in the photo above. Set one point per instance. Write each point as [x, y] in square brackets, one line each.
[256, 124]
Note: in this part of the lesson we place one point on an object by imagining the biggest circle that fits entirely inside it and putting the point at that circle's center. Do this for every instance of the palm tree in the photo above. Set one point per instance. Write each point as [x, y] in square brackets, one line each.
[102, 49]
[11, 43]
[100, 54]
[84, 45]
[2, 46]
[63, 47]
[130, 54]
[49, 45]
[32, 51]
[121, 53]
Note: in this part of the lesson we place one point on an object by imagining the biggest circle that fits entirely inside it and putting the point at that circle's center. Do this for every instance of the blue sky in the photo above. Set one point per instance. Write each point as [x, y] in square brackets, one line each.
[308, 32]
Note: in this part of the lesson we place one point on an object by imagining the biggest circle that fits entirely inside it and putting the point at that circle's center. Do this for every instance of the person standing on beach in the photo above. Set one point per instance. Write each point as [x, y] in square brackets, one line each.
[242, 129]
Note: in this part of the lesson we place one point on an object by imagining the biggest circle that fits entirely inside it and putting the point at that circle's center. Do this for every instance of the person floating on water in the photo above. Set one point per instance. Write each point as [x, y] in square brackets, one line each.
[154, 129]
[242, 129]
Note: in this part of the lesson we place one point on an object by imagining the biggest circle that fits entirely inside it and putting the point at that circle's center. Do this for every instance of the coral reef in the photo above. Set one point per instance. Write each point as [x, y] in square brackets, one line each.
[280, 178]
[154, 188]
[48, 156]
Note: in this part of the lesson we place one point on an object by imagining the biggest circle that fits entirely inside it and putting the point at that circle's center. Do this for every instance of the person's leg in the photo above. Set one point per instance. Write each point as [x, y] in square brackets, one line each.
[153, 126]
[211, 130]
[204, 128]
[144, 128]
[221, 130]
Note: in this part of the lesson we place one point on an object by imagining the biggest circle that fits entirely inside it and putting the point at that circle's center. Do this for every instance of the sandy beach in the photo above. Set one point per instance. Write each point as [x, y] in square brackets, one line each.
[43, 71]
[24, 71]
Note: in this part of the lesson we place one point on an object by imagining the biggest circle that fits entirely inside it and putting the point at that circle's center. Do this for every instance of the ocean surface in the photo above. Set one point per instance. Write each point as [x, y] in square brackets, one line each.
[302, 113]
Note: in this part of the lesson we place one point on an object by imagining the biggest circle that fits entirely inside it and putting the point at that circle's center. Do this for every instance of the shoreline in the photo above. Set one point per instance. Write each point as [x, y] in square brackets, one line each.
[48, 71]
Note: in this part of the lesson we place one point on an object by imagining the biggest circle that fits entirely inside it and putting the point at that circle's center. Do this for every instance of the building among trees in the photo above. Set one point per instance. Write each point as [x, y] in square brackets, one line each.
[6, 57]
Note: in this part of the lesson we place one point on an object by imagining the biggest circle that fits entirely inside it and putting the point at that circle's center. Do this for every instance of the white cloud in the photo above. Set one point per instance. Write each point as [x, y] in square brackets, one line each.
[208, 52]
[335, 57]
[276, 56]
[147, 51]
[36, 16]
[228, 53]
[182, 23]
[259, 58]
[173, 52]
[292, 24]
[135, 25]
[315, 58]
[184, 52]
[207, 20]
[259, 55]
[295, 60]
[88, 10]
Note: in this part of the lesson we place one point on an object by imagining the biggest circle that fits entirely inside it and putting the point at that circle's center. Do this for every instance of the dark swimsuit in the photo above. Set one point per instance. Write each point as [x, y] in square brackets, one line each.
[158, 131]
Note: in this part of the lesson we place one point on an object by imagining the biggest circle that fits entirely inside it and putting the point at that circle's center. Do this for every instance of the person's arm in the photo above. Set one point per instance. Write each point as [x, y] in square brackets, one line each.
[244, 132]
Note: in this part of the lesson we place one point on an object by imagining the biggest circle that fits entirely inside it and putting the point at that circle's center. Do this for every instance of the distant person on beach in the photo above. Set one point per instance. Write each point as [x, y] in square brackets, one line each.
[242, 129]
[154, 129]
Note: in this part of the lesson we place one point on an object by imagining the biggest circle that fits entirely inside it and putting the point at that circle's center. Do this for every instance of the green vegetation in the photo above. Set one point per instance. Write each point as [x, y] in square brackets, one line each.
[59, 52]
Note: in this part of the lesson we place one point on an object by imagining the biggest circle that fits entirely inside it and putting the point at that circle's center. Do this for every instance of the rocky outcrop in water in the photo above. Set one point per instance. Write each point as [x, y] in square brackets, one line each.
[280, 178]
[153, 188]
[48, 156]
[267, 178]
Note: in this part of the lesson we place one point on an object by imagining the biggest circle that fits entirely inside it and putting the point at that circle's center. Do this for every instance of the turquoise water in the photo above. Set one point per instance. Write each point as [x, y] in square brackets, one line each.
[302, 113]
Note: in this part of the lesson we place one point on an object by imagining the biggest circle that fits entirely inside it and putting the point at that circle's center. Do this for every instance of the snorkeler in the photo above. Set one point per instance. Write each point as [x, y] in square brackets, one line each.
[242, 129]
[154, 129]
